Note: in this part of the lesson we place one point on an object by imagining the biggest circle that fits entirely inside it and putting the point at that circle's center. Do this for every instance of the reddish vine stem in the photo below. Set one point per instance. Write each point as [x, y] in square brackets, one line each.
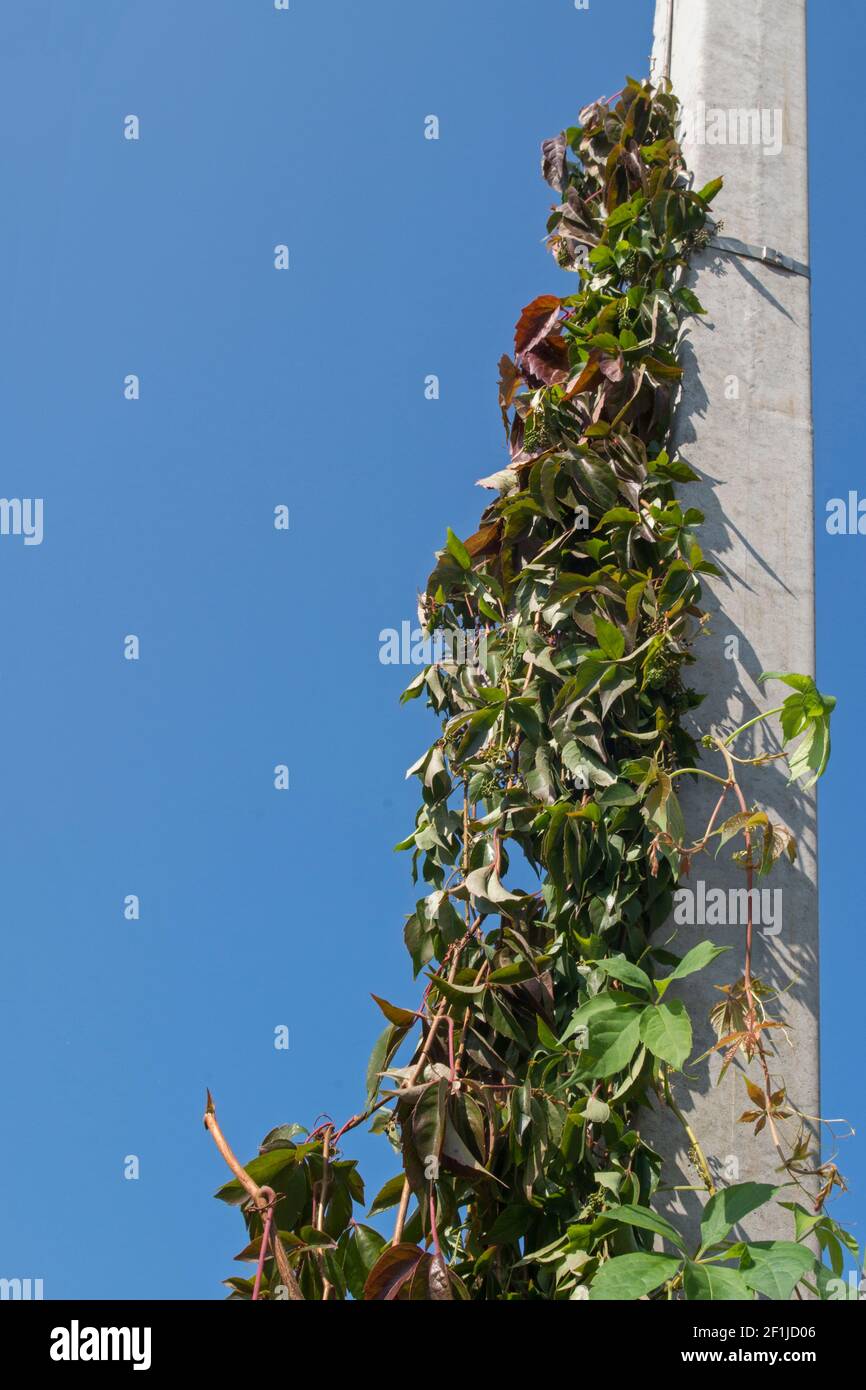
[266, 1240]
[417, 1069]
[434, 1234]
[752, 1021]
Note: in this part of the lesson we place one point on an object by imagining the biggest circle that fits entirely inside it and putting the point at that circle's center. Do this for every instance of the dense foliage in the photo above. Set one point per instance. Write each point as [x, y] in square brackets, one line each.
[550, 838]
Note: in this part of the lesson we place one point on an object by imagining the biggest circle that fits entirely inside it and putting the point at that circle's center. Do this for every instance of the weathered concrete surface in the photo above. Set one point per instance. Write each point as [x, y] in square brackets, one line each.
[744, 424]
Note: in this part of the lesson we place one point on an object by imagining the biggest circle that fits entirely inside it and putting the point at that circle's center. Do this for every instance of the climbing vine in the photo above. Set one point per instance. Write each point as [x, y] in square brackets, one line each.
[550, 840]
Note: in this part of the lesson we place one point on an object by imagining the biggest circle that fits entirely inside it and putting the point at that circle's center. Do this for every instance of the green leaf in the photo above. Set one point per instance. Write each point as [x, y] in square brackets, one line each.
[265, 1170]
[380, 1058]
[546, 1037]
[605, 341]
[485, 884]
[807, 710]
[811, 755]
[666, 1030]
[454, 993]
[618, 968]
[613, 1040]
[610, 639]
[458, 1157]
[663, 371]
[775, 1267]
[389, 1195]
[742, 821]
[419, 942]
[428, 1121]
[709, 191]
[633, 597]
[647, 1220]
[663, 809]
[404, 1018]
[619, 794]
[696, 959]
[511, 1225]
[691, 301]
[360, 1253]
[713, 1284]
[804, 684]
[620, 516]
[731, 1205]
[283, 1137]
[627, 1277]
[458, 550]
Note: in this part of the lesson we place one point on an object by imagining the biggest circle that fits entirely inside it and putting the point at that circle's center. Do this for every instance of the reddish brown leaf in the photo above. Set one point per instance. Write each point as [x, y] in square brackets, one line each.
[756, 1094]
[485, 541]
[548, 360]
[537, 320]
[553, 154]
[395, 1265]
[509, 380]
[417, 1289]
[587, 378]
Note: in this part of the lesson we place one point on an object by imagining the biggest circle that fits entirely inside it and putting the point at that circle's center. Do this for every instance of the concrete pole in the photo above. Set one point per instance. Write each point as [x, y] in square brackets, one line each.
[744, 423]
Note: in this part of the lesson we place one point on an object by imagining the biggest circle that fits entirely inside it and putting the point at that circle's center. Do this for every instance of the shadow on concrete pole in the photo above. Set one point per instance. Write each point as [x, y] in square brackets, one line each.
[744, 423]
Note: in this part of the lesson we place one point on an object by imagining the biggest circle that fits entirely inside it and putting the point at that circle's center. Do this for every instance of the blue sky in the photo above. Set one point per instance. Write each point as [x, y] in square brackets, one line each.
[258, 647]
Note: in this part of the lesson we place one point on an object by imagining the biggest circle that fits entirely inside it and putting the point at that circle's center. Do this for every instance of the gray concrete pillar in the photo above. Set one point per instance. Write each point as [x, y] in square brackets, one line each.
[744, 424]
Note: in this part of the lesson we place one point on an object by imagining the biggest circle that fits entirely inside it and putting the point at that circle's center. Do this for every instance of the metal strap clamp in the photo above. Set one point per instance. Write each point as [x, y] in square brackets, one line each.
[767, 254]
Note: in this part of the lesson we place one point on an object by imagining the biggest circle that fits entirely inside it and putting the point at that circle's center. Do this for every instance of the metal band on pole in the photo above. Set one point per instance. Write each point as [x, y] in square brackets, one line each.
[767, 254]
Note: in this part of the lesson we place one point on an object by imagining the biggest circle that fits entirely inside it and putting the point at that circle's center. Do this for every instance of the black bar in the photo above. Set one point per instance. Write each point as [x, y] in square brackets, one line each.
[220, 1337]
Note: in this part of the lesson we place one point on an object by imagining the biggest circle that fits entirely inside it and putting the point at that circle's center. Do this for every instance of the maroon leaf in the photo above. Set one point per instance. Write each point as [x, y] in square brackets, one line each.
[417, 1289]
[553, 160]
[537, 320]
[395, 1265]
[592, 116]
[485, 541]
[509, 380]
[587, 378]
[548, 361]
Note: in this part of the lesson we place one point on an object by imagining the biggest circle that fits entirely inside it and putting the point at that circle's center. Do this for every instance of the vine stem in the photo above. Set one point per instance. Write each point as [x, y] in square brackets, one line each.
[758, 719]
[700, 1158]
[287, 1274]
[405, 1195]
[266, 1238]
[752, 1016]
[414, 1074]
[416, 1070]
[697, 772]
[484, 970]
[327, 1286]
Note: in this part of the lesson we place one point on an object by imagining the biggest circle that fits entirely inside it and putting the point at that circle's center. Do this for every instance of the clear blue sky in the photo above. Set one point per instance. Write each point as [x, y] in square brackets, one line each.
[408, 257]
